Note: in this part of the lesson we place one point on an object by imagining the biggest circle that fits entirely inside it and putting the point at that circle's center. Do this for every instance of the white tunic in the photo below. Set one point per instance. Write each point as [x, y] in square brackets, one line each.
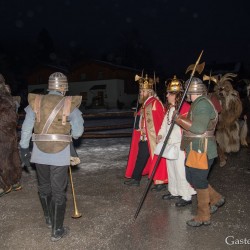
[177, 183]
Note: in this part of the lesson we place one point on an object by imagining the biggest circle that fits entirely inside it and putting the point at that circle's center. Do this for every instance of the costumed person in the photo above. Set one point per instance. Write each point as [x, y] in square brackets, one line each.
[147, 124]
[10, 166]
[55, 119]
[177, 182]
[198, 135]
[229, 134]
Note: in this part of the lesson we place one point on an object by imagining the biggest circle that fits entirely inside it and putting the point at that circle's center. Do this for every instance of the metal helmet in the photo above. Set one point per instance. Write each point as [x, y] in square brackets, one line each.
[196, 87]
[174, 85]
[58, 81]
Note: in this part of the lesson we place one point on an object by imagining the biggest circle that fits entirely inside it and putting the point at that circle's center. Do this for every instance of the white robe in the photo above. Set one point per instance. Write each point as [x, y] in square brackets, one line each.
[177, 183]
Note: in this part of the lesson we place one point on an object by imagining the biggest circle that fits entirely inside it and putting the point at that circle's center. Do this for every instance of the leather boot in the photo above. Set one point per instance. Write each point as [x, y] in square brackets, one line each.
[58, 230]
[45, 201]
[203, 211]
[216, 200]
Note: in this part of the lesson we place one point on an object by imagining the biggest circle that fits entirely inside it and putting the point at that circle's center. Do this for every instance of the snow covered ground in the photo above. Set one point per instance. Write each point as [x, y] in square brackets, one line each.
[102, 154]
[106, 153]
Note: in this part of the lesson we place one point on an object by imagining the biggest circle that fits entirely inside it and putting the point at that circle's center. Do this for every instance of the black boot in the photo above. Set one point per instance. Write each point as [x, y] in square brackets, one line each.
[159, 187]
[132, 182]
[58, 211]
[45, 201]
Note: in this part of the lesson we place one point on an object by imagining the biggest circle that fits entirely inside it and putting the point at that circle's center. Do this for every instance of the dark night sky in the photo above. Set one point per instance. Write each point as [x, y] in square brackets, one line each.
[175, 31]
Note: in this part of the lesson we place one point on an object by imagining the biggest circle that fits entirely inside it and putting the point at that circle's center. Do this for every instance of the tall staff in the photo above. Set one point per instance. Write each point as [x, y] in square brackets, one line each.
[194, 68]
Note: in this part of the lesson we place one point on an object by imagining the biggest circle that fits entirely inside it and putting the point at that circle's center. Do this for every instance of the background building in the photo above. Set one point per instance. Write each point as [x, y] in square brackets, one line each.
[101, 84]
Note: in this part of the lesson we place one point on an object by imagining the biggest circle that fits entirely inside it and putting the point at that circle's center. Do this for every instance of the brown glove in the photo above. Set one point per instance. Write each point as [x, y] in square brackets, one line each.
[183, 121]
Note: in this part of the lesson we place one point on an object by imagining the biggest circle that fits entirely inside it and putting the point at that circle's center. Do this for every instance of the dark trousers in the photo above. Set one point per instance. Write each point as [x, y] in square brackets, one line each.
[141, 160]
[52, 180]
[198, 177]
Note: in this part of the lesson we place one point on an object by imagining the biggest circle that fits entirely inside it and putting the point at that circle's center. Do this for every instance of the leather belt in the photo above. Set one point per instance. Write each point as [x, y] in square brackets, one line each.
[51, 137]
[192, 135]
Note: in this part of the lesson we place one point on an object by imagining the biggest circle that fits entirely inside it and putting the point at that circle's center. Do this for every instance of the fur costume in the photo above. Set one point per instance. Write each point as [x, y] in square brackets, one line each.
[248, 91]
[245, 90]
[10, 165]
[229, 134]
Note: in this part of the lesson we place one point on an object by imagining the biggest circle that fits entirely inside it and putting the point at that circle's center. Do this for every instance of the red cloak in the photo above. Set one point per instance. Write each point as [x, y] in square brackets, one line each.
[157, 113]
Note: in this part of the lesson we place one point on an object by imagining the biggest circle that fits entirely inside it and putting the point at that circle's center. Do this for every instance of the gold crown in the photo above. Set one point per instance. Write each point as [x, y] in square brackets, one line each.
[145, 82]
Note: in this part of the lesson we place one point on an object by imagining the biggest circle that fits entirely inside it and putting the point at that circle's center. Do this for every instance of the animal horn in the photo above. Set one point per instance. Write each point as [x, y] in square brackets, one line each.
[137, 77]
[227, 77]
